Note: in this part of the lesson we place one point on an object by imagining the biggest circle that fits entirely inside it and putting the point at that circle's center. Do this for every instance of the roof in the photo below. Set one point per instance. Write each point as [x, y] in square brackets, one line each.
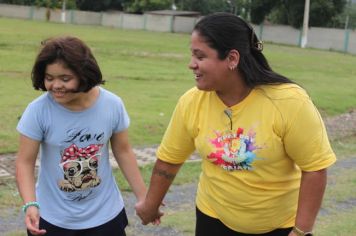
[174, 13]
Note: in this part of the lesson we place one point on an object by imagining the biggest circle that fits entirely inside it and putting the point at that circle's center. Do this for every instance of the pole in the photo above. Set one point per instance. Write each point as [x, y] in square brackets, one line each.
[63, 13]
[305, 24]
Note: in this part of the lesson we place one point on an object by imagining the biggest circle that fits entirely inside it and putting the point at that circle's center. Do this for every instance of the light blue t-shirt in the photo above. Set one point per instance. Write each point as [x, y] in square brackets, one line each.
[75, 186]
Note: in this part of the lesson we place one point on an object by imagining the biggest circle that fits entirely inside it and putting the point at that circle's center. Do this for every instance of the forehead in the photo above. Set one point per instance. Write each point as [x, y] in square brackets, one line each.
[199, 43]
[58, 67]
[196, 40]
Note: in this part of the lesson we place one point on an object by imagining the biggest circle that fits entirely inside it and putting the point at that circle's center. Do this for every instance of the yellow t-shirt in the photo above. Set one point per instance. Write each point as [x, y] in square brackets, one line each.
[250, 163]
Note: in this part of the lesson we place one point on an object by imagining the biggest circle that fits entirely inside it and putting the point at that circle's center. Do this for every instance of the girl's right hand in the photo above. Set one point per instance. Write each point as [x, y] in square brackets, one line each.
[32, 221]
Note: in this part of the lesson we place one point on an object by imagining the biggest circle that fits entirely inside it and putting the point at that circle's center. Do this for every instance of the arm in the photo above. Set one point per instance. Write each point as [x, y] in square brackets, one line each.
[125, 157]
[311, 193]
[162, 177]
[25, 178]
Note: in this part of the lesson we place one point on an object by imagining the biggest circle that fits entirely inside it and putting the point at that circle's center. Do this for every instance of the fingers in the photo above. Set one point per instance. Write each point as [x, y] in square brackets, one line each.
[156, 222]
[148, 214]
[38, 232]
[32, 220]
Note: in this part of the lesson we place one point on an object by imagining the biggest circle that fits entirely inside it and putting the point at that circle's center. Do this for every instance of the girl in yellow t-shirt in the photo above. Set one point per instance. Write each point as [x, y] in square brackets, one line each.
[263, 144]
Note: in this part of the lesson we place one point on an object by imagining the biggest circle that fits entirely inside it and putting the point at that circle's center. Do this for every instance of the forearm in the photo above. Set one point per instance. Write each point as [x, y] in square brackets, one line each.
[163, 174]
[25, 168]
[129, 168]
[25, 179]
[311, 193]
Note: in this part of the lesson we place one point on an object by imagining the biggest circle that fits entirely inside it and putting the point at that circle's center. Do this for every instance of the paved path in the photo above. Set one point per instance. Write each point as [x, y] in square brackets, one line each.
[144, 156]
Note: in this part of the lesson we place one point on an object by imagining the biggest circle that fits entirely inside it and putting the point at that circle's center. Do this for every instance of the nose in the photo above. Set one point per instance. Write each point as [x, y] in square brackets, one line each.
[192, 64]
[56, 84]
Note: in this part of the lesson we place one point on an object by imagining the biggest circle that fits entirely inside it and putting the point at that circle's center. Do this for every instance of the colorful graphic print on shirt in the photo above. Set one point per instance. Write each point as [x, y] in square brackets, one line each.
[79, 166]
[234, 150]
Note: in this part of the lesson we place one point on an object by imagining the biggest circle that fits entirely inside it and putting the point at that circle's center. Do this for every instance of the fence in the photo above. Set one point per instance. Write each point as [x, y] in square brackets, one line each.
[322, 38]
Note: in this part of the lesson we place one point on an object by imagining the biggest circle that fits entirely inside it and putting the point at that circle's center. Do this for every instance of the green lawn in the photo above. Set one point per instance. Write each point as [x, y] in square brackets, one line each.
[149, 71]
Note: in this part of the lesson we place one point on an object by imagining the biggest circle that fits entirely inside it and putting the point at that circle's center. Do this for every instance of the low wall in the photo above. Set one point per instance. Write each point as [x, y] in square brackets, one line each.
[322, 38]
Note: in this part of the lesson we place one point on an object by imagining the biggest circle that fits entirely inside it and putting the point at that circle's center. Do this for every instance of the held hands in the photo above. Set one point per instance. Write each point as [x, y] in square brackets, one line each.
[32, 220]
[148, 214]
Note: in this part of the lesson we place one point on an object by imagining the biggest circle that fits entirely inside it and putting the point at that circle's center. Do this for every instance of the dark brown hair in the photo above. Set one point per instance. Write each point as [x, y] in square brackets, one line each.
[224, 32]
[75, 55]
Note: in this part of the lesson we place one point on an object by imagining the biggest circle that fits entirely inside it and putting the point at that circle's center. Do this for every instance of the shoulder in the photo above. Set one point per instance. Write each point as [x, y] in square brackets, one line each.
[286, 97]
[108, 96]
[193, 96]
[40, 102]
[283, 91]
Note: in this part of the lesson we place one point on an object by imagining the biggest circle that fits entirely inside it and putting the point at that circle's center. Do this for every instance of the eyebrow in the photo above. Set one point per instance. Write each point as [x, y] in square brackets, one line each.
[60, 75]
[197, 51]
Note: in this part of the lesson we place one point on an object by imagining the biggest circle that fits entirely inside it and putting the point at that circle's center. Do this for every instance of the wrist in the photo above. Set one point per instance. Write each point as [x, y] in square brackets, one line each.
[29, 204]
[152, 204]
[300, 232]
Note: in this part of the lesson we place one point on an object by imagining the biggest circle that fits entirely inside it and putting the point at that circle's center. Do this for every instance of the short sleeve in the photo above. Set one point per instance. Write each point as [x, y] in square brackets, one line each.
[177, 143]
[306, 140]
[121, 118]
[31, 124]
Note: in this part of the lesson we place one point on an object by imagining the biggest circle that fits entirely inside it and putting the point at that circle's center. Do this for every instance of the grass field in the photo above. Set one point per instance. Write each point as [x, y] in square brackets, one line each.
[149, 71]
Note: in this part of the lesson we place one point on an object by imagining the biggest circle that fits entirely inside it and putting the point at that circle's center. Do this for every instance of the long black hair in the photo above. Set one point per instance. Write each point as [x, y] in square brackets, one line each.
[224, 32]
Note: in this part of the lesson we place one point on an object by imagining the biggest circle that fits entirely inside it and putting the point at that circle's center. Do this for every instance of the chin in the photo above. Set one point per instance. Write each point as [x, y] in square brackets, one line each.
[203, 88]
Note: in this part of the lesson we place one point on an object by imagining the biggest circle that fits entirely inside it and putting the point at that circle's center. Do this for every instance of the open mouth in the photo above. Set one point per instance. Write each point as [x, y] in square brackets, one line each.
[58, 93]
[87, 178]
[198, 76]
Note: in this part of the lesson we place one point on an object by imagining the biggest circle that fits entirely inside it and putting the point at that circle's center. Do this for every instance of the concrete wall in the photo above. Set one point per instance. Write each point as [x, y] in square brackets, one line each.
[278, 34]
[326, 38]
[183, 24]
[131, 21]
[352, 43]
[15, 11]
[323, 38]
[160, 23]
[111, 19]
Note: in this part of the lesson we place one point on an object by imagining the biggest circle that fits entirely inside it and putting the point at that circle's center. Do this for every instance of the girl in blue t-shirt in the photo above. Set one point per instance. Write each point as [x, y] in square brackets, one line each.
[71, 125]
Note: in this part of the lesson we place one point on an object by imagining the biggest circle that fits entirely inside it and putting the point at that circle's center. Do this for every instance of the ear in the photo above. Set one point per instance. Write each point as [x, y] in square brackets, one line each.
[233, 59]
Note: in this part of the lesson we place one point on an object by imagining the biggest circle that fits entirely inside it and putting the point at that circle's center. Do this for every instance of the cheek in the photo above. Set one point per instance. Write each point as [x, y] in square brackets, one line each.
[46, 85]
[73, 84]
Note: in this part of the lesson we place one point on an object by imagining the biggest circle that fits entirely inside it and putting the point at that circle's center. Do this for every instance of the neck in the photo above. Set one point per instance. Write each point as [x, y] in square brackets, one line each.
[234, 94]
[84, 101]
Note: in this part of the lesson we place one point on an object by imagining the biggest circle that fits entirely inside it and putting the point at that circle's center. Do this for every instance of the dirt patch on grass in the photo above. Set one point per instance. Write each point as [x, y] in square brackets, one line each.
[341, 126]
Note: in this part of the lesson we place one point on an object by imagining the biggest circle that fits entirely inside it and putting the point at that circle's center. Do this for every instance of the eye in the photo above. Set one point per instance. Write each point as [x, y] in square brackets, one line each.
[93, 164]
[66, 78]
[48, 78]
[71, 168]
[198, 56]
[71, 171]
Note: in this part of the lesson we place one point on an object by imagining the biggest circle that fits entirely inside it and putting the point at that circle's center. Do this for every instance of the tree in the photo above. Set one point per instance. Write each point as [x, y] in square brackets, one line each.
[18, 2]
[259, 9]
[291, 11]
[205, 6]
[103, 5]
[140, 6]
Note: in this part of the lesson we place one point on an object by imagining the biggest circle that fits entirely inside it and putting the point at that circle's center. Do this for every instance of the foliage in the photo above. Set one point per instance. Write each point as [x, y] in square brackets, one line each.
[259, 9]
[347, 19]
[70, 4]
[204, 6]
[18, 2]
[94, 5]
[291, 12]
[140, 6]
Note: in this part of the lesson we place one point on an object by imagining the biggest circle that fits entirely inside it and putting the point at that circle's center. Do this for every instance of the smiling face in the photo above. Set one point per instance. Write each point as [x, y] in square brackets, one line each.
[210, 71]
[61, 83]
